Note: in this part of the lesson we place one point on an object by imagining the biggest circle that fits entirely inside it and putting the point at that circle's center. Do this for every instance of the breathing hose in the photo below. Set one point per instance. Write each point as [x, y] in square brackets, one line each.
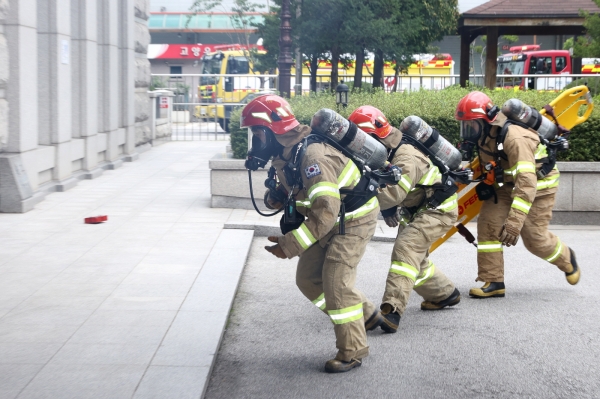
[254, 202]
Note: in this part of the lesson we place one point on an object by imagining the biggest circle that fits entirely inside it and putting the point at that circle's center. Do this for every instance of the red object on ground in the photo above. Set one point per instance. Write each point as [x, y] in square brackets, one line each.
[96, 219]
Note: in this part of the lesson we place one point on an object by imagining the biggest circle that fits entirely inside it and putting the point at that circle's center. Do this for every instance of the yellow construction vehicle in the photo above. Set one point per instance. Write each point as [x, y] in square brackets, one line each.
[234, 82]
[567, 109]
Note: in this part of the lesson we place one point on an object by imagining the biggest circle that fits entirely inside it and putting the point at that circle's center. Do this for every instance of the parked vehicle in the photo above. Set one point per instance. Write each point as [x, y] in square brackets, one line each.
[234, 79]
[530, 60]
[223, 112]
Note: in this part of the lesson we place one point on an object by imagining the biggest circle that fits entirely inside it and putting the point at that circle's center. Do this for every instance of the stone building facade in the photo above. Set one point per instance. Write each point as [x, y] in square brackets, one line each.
[74, 101]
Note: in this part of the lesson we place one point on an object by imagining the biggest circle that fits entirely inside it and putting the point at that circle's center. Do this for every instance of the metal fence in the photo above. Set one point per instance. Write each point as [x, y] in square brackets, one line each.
[203, 104]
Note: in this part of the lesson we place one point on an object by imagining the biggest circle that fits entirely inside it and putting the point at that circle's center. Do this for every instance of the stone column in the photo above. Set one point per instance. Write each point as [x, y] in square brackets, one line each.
[18, 93]
[21, 89]
[108, 78]
[84, 53]
[3, 77]
[143, 110]
[128, 72]
[54, 84]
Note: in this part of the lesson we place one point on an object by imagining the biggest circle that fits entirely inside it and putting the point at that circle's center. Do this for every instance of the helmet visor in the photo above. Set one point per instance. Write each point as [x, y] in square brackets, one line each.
[259, 138]
[471, 130]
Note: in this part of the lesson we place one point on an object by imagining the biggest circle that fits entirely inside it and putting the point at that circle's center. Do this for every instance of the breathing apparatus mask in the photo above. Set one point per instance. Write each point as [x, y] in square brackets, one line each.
[470, 133]
[264, 146]
[471, 130]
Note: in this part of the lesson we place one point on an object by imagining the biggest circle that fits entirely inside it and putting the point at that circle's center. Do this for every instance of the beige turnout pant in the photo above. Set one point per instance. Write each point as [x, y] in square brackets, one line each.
[326, 276]
[536, 237]
[411, 267]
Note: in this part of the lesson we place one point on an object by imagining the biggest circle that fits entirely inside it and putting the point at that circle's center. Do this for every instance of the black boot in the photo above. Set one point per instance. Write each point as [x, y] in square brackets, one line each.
[488, 290]
[339, 366]
[391, 319]
[452, 300]
[374, 321]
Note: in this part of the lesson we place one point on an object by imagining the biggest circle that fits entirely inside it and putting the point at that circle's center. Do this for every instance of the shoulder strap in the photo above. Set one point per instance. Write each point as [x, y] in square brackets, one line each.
[393, 151]
[504, 131]
[320, 138]
[432, 157]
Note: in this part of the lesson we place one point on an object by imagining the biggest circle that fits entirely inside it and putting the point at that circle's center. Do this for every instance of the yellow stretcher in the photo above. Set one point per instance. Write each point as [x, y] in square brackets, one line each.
[567, 108]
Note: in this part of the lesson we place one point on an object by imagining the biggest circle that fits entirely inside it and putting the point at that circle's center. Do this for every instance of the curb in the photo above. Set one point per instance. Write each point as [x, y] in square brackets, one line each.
[236, 245]
[195, 335]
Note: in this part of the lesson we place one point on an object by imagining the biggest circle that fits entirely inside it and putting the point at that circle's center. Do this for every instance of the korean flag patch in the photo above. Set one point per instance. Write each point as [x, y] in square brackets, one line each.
[312, 171]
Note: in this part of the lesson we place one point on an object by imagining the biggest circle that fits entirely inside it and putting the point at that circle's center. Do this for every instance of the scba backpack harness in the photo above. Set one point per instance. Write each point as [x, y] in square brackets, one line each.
[485, 189]
[354, 198]
[442, 191]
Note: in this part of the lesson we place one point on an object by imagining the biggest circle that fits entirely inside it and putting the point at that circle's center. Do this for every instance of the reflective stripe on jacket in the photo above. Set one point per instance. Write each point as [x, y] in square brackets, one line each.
[324, 172]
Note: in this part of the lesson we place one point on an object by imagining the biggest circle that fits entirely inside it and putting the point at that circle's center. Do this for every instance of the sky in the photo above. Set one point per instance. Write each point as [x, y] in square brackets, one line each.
[184, 5]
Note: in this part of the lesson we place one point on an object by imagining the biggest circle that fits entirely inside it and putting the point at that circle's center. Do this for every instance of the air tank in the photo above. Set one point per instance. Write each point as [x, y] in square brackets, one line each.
[361, 146]
[419, 129]
[517, 110]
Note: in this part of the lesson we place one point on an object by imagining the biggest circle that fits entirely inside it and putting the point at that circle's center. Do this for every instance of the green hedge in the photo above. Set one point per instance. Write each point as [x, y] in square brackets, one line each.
[437, 109]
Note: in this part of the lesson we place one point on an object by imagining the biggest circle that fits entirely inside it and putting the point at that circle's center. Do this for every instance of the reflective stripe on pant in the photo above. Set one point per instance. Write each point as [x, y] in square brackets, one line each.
[536, 237]
[410, 261]
[326, 276]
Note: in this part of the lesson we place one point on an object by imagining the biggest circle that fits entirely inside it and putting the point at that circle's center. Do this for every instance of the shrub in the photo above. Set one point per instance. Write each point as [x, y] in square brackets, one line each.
[437, 109]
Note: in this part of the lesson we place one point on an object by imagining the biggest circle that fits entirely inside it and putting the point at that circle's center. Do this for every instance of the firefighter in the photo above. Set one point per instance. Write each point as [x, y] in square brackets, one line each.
[411, 267]
[519, 203]
[326, 270]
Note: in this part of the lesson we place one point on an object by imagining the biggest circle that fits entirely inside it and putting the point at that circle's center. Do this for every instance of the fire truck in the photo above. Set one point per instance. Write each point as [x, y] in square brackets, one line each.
[530, 60]
[227, 91]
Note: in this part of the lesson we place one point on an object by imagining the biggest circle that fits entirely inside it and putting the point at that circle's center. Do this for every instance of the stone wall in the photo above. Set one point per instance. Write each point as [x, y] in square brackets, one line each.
[229, 186]
[73, 93]
[576, 201]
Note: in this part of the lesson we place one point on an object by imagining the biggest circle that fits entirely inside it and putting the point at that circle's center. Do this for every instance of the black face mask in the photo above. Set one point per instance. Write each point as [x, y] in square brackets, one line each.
[264, 146]
[466, 148]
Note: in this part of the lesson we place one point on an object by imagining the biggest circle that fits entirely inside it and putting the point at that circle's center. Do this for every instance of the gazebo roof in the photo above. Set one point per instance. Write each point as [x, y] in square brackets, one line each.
[531, 9]
[533, 17]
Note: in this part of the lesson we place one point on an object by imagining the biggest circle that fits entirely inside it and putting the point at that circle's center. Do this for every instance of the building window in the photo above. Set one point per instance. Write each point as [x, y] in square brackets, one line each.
[175, 70]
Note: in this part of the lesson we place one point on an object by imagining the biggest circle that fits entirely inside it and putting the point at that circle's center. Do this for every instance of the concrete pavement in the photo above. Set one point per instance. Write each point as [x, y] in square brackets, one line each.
[134, 307]
[541, 341]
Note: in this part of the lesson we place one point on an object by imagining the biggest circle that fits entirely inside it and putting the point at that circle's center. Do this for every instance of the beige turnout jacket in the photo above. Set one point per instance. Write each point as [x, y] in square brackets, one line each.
[324, 172]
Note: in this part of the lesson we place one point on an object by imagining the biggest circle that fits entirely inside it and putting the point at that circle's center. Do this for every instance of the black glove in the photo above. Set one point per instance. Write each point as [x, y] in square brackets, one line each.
[389, 212]
[287, 227]
[390, 216]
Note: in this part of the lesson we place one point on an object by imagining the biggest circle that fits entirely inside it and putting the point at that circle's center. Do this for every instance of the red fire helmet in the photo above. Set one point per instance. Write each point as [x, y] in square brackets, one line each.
[476, 105]
[371, 120]
[270, 111]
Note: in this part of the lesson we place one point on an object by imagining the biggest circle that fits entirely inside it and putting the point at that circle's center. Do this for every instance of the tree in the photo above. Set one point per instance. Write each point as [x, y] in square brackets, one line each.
[241, 20]
[394, 30]
[408, 27]
[589, 45]
[319, 30]
[268, 31]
